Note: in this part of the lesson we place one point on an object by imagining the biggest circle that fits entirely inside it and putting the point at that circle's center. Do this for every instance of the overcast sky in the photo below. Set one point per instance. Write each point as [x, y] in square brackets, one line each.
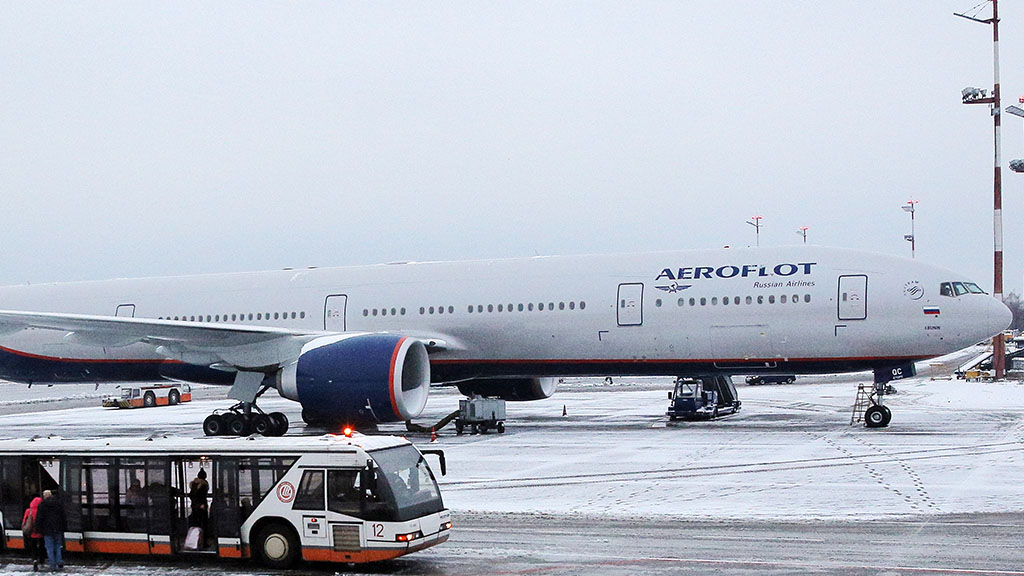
[142, 138]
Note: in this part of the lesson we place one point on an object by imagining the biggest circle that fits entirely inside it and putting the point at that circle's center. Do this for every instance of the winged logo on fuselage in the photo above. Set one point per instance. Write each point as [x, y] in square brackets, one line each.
[674, 287]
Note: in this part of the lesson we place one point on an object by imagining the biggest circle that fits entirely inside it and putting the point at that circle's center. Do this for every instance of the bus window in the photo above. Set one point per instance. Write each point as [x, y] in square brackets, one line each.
[96, 496]
[410, 481]
[959, 288]
[11, 499]
[343, 493]
[132, 504]
[946, 289]
[310, 495]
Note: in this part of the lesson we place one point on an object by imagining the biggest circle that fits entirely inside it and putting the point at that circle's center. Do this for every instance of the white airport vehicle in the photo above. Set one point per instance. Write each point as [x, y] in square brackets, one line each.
[149, 396]
[365, 343]
[324, 499]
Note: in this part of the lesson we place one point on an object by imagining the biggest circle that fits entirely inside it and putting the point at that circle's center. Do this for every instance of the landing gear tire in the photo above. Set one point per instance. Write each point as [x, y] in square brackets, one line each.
[262, 425]
[888, 415]
[280, 423]
[149, 400]
[213, 425]
[875, 417]
[277, 546]
[173, 398]
[239, 426]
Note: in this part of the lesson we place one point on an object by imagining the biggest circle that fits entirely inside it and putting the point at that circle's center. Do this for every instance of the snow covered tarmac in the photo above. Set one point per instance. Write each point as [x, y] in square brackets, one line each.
[785, 485]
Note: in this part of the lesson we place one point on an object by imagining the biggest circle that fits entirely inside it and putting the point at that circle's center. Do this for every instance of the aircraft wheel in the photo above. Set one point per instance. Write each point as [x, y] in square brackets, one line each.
[888, 415]
[174, 397]
[277, 546]
[239, 426]
[874, 417]
[149, 400]
[280, 422]
[262, 425]
[213, 425]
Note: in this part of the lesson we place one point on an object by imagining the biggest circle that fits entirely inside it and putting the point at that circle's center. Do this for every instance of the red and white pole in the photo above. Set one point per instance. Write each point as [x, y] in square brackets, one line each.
[998, 343]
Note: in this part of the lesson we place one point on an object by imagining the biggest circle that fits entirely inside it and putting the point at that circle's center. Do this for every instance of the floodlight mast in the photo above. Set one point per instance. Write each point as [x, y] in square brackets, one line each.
[974, 96]
[909, 207]
[757, 228]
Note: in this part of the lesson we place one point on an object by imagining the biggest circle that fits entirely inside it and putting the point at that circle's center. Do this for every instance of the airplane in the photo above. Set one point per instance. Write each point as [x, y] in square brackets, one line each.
[364, 344]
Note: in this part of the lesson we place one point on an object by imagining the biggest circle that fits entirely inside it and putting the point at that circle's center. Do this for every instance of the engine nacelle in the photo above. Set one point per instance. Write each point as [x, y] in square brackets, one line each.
[511, 389]
[359, 378]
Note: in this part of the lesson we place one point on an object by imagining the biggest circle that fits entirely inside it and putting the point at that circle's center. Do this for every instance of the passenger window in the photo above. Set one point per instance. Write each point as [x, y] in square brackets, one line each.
[343, 494]
[714, 300]
[782, 299]
[703, 301]
[749, 300]
[725, 301]
[807, 297]
[310, 495]
[771, 299]
[760, 299]
[946, 289]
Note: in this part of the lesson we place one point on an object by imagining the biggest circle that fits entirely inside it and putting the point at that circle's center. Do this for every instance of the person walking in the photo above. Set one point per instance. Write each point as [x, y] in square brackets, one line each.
[52, 523]
[199, 490]
[32, 536]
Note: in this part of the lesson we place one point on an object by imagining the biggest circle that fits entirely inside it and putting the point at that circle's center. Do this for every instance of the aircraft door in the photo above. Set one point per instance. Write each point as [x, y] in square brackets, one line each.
[125, 311]
[334, 312]
[630, 305]
[852, 299]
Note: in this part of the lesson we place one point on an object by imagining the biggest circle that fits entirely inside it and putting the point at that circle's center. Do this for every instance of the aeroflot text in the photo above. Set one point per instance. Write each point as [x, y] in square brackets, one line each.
[745, 271]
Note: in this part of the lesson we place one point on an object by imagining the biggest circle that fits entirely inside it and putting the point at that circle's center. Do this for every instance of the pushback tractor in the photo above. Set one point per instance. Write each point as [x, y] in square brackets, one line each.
[277, 500]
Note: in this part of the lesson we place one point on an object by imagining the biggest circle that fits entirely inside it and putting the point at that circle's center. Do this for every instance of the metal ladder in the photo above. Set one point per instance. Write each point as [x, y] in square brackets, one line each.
[865, 392]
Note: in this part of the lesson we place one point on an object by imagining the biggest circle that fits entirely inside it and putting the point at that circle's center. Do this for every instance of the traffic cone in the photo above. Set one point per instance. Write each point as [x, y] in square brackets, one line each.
[433, 435]
[564, 413]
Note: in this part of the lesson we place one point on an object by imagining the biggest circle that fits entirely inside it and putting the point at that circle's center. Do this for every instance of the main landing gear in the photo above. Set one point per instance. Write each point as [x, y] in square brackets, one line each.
[246, 418]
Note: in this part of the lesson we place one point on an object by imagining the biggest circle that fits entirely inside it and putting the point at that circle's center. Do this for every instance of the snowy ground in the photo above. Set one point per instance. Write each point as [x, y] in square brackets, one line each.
[790, 454]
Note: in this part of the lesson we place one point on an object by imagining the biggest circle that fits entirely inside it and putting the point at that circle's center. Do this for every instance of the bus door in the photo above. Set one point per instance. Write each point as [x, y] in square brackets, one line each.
[226, 509]
[155, 499]
[184, 472]
[71, 496]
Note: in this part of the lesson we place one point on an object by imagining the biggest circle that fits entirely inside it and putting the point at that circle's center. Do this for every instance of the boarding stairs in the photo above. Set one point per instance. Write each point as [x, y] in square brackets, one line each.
[865, 399]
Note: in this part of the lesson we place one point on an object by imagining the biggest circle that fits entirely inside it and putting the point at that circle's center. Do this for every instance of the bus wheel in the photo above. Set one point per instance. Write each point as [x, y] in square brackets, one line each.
[280, 423]
[173, 398]
[213, 425]
[149, 400]
[277, 546]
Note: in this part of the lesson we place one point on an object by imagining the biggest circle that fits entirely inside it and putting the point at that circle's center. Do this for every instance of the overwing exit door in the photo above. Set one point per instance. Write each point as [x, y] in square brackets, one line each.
[630, 305]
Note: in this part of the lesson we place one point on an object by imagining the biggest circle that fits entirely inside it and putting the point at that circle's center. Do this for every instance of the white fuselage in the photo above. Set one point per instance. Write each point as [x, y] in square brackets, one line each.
[794, 309]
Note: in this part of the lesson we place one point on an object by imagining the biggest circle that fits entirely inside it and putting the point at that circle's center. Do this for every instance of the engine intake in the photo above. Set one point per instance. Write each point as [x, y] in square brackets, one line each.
[352, 378]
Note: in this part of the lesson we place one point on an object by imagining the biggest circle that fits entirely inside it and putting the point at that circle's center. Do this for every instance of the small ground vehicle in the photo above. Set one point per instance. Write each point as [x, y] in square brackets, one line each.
[481, 415]
[771, 379]
[324, 499]
[702, 398]
[149, 396]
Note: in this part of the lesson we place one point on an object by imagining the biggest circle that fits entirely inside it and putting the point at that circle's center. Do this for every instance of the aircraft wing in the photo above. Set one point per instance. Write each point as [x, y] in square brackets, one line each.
[231, 346]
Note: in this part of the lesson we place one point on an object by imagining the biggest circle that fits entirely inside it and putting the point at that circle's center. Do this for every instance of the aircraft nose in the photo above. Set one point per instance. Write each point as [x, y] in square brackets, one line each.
[997, 317]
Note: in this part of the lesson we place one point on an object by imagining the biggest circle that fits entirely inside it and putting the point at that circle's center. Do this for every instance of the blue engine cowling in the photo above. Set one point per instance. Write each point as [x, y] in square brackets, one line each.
[350, 378]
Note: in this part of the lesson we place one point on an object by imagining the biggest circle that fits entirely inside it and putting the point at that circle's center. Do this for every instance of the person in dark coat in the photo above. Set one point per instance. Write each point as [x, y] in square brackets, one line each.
[34, 539]
[198, 490]
[52, 524]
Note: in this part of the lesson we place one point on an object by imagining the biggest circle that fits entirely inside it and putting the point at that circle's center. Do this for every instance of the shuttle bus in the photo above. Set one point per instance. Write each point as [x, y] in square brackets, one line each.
[323, 499]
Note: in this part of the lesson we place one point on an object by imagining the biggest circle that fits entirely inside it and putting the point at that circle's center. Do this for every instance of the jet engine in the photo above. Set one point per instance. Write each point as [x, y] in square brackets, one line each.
[358, 378]
[511, 389]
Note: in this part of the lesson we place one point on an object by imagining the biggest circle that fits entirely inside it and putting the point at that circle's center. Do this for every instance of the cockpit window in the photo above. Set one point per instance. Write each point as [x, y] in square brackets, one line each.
[946, 289]
[974, 288]
[959, 288]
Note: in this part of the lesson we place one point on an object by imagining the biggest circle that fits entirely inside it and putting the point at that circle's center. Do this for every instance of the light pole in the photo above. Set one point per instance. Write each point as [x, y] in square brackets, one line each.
[909, 207]
[757, 228]
[976, 96]
[803, 232]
